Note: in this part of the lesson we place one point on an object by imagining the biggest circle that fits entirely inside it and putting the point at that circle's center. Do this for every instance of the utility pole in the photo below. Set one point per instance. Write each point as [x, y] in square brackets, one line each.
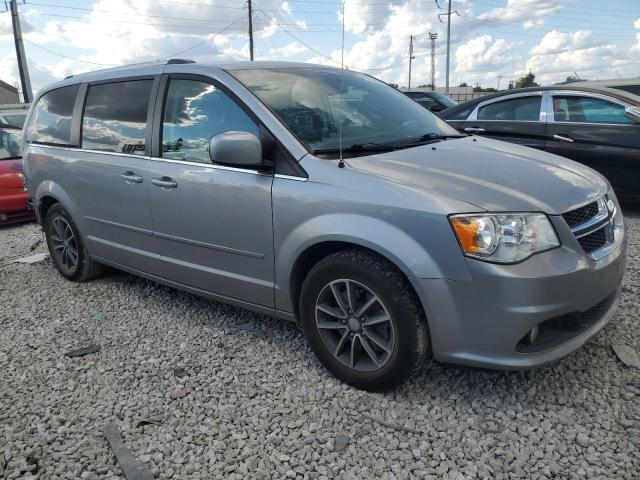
[433, 37]
[499, 78]
[250, 31]
[448, 15]
[411, 57]
[27, 94]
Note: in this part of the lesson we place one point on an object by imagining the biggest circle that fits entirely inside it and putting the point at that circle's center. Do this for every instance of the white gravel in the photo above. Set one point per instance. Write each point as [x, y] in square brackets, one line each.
[259, 405]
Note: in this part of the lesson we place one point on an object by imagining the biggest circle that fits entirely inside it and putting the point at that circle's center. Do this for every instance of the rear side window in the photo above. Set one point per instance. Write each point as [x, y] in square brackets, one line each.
[462, 114]
[588, 110]
[519, 108]
[51, 119]
[17, 120]
[194, 111]
[115, 116]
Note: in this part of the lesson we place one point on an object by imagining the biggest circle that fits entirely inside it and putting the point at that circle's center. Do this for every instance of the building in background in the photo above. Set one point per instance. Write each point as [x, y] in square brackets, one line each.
[8, 94]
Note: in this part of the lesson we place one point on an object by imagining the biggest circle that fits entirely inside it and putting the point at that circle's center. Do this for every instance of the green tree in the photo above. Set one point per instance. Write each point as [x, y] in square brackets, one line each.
[529, 80]
[463, 84]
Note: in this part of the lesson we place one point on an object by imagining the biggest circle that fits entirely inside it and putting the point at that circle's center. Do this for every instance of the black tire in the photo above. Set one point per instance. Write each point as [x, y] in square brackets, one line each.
[85, 268]
[411, 340]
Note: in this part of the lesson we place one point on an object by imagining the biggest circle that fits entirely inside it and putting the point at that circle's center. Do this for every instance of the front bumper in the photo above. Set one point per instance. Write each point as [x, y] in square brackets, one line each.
[483, 322]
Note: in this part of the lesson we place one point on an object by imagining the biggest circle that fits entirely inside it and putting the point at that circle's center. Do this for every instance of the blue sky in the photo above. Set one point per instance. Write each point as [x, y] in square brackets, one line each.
[491, 39]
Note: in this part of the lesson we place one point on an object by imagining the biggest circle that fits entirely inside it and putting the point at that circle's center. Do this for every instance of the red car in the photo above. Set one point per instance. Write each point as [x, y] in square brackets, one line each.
[15, 205]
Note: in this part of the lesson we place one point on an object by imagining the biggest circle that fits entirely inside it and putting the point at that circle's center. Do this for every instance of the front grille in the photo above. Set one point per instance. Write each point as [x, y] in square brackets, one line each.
[581, 215]
[594, 241]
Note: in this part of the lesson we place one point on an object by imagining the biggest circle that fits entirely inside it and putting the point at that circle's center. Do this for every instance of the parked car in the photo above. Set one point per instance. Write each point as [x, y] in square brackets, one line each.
[14, 200]
[327, 197]
[14, 114]
[432, 101]
[598, 127]
[629, 85]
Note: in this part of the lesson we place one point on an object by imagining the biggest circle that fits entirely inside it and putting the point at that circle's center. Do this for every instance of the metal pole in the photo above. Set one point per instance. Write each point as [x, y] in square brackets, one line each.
[433, 37]
[27, 94]
[250, 32]
[410, 58]
[448, 42]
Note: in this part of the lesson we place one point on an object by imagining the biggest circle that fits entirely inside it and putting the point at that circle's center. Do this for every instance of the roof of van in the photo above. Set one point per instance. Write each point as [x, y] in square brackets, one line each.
[156, 67]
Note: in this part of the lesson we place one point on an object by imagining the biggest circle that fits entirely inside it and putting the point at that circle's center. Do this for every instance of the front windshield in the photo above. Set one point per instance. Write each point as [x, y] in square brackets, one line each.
[9, 144]
[314, 103]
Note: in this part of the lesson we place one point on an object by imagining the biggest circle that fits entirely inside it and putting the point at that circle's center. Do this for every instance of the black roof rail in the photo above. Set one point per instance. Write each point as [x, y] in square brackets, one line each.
[68, 77]
[175, 61]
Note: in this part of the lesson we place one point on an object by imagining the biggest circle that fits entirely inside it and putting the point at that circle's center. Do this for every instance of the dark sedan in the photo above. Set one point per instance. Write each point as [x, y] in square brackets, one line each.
[434, 101]
[599, 127]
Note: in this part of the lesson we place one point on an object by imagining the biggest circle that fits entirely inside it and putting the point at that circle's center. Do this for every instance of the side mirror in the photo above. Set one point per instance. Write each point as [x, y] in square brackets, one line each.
[238, 149]
[633, 113]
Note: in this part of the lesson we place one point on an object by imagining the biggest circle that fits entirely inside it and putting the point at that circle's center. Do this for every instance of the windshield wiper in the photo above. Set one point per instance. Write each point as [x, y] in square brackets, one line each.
[428, 137]
[358, 147]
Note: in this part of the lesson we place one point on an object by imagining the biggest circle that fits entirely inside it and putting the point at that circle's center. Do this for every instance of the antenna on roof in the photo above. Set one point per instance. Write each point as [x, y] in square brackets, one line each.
[341, 162]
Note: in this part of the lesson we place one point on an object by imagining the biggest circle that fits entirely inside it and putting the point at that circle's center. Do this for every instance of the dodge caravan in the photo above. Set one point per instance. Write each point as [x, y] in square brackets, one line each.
[329, 198]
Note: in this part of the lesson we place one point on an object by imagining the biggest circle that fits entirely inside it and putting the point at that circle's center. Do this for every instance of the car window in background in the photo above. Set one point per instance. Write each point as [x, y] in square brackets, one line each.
[9, 145]
[51, 119]
[462, 114]
[444, 100]
[634, 89]
[425, 101]
[17, 120]
[588, 110]
[316, 103]
[194, 111]
[115, 116]
[519, 108]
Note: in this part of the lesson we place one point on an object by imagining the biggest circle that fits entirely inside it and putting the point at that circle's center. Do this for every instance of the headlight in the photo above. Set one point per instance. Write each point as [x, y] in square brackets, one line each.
[504, 237]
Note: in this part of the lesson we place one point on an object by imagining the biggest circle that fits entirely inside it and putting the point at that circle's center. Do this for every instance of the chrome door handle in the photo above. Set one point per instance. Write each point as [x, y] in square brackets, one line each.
[474, 129]
[130, 177]
[164, 182]
[563, 138]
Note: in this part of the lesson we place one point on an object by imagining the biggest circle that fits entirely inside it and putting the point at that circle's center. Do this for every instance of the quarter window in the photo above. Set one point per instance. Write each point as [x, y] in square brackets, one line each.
[587, 110]
[115, 116]
[519, 108]
[195, 111]
[51, 119]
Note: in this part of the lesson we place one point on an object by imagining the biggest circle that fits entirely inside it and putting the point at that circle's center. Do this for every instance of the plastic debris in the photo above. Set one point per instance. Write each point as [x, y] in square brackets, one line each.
[133, 468]
[31, 259]
[627, 355]
[81, 352]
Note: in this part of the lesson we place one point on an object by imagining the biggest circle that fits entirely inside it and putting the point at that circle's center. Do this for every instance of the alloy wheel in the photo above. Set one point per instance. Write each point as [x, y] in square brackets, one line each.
[65, 246]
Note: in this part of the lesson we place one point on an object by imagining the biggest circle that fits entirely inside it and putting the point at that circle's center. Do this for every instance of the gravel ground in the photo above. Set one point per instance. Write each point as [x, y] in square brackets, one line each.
[259, 405]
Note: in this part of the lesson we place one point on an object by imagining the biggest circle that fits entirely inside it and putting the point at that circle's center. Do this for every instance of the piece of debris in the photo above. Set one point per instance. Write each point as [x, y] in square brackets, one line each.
[178, 393]
[180, 372]
[157, 420]
[81, 352]
[341, 442]
[133, 468]
[391, 425]
[31, 259]
[627, 355]
[98, 317]
[35, 244]
[249, 328]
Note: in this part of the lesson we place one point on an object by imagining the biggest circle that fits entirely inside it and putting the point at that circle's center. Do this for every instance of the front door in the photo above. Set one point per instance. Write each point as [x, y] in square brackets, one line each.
[595, 131]
[516, 118]
[213, 223]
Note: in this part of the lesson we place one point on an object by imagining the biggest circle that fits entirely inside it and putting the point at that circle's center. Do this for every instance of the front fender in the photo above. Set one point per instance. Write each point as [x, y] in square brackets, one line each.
[389, 241]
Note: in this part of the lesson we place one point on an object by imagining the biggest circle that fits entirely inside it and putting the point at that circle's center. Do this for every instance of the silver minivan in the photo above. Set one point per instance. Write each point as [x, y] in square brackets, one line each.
[328, 198]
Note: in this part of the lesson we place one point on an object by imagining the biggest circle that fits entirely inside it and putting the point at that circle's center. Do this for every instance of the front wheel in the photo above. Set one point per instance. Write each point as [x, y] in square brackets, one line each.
[66, 247]
[363, 320]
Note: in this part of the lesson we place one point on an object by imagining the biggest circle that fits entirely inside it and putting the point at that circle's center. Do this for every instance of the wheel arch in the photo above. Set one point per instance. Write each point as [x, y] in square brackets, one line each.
[48, 194]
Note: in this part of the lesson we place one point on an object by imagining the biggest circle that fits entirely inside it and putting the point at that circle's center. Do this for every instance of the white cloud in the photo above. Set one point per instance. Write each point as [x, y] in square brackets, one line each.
[484, 54]
[530, 12]
[558, 42]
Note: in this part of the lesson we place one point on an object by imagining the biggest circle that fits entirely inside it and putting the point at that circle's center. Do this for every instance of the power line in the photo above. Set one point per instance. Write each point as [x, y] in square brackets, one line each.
[69, 58]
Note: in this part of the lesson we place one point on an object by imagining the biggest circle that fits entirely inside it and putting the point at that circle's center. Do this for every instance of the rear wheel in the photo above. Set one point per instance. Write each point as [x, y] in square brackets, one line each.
[66, 248]
[363, 320]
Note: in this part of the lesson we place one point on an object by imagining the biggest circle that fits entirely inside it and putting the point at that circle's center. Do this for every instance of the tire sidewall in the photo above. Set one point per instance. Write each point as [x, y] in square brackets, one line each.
[59, 211]
[401, 316]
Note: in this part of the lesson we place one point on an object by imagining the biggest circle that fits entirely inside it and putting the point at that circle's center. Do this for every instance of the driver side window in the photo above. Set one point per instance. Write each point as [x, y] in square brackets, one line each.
[194, 111]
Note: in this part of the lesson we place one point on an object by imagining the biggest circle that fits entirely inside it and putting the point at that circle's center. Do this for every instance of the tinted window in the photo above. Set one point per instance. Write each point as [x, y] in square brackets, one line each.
[587, 110]
[115, 116]
[462, 114]
[195, 111]
[51, 119]
[17, 120]
[9, 144]
[520, 108]
[635, 89]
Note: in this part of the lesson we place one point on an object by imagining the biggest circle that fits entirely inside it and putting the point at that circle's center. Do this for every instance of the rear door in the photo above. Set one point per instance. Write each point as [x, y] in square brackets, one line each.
[213, 222]
[517, 118]
[109, 174]
[593, 129]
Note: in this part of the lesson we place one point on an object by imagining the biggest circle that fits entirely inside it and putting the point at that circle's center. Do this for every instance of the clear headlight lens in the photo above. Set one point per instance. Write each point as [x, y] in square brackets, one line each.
[504, 237]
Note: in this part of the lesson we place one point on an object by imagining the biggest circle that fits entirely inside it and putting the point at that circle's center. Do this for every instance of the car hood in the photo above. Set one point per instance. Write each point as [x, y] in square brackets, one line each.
[490, 174]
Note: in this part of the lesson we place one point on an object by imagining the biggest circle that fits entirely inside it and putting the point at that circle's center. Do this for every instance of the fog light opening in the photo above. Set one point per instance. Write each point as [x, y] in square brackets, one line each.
[3, 217]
